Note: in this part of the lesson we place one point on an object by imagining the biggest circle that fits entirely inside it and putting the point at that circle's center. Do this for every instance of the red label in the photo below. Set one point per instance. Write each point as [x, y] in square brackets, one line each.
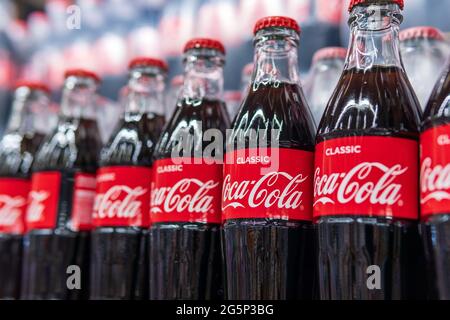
[123, 197]
[186, 192]
[13, 204]
[43, 200]
[367, 176]
[83, 201]
[435, 171]
[268, 183]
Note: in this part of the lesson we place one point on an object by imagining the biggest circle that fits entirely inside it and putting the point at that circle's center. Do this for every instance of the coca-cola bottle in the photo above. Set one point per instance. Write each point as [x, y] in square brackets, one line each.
[17, 150]
[268, 175]
[185, 198]
[366, 167]
[121, 209]
[435, 186]
[61, 199]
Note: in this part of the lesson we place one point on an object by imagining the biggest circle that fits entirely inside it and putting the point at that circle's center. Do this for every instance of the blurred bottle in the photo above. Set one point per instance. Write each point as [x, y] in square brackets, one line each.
[435, 187]
[185, 259]
[62, 194]
[327, 67]
[7, 64]
[17, 149]
[424, 53]
[119, 264]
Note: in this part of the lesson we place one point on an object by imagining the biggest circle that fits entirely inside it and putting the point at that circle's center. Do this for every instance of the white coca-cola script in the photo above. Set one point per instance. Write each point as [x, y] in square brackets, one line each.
[190, 195]
[10, 209]
[36, 206]
[435, 181]
[278, 189]
[367, 181]
[119, 201]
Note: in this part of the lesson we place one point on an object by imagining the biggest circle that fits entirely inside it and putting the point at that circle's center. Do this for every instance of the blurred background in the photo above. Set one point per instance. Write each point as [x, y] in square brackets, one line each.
[40, 39]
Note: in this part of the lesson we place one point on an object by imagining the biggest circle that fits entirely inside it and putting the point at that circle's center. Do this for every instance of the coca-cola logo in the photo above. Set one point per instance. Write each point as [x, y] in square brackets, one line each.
[278, 189]
[119, 201]
[35, 210]
[358, 185]
[434, 181]
[443, 140]
[189, 194]
[10, 209]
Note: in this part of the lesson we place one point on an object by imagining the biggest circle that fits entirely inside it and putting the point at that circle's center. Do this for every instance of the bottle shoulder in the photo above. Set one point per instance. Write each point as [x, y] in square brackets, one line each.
[130, 144]
[17, 153]
[279, 113]
[73, 145]
[191, 120]
[379, 101]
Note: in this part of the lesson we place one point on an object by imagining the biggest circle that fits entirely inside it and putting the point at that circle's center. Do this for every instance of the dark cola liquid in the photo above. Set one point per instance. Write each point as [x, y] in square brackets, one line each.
[72, 147]
[185, 258]
[348, 245]
[272, 259]
[436, 229]
[15, 163]
[119, 259]
[155, 123]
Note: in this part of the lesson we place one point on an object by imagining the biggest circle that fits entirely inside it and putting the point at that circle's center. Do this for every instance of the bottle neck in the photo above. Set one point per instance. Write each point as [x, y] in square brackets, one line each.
[79, 98]
[145, 92]
[28, 111]
[276, 58]
[203, 78]
[374, 37]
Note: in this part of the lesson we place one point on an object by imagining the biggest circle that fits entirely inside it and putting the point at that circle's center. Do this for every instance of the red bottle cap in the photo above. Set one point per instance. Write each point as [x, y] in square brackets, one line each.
[330, 53]
[82, 73]
[33, 85]
[276, 21]
[205, 43]
[148, 62]
[354, 3]
[421, 32]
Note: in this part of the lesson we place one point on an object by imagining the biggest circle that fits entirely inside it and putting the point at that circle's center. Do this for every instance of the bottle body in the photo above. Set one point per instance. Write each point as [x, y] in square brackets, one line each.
[17, 151]
[276, 255]
[115, 258]
[364, 226]
[15, 183]
[435, 188]
[269, 238]
[185, 257]
[119, 259]
[58, 217]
